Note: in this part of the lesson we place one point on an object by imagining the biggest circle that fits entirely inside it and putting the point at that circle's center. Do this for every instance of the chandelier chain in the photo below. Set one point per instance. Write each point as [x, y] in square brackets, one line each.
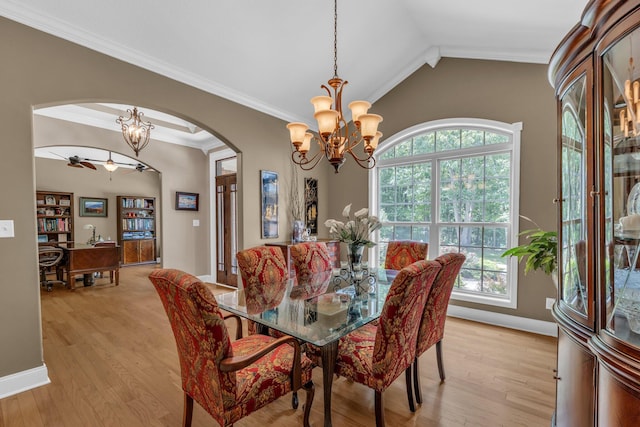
[335, 38]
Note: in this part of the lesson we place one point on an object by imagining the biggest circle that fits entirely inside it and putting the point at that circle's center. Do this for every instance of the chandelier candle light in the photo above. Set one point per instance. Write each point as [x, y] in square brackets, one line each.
[335, 136]
[136, 133]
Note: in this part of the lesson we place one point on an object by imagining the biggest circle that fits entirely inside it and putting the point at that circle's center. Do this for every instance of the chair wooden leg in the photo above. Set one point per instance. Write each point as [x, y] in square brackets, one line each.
[188, 411]
[407, 374]
[310, 389]
[379, 409]
[416, 381]
[294, 400]
[439, 357]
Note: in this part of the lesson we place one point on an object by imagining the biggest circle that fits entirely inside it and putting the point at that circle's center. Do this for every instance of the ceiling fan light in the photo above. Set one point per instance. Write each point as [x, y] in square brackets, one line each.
[110, 165]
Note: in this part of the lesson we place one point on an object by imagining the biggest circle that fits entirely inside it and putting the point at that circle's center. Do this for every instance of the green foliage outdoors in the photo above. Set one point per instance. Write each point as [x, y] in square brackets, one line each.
[540, 253]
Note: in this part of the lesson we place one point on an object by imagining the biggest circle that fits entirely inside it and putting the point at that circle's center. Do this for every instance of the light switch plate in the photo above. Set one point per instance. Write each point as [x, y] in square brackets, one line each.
[6, 228]
[196, 223]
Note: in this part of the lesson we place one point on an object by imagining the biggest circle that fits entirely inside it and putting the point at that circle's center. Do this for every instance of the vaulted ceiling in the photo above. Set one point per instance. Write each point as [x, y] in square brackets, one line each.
[274, 55]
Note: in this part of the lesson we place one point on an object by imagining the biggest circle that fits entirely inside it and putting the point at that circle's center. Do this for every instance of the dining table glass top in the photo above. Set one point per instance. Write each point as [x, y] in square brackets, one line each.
[318, 309]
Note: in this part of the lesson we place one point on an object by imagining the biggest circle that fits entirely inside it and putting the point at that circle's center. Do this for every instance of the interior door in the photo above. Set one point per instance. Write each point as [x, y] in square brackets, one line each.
[226, 220]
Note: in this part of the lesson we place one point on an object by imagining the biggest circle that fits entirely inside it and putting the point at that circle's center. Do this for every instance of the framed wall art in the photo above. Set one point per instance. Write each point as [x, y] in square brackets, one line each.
[311, 204]
[269, 204]
[186, 201]
[90, 206]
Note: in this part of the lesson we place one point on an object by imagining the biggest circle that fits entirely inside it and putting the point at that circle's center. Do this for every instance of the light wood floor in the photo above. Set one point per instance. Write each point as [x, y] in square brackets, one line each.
[112, 362]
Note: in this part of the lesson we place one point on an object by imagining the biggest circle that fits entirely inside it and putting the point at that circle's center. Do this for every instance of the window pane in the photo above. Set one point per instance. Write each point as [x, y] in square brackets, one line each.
[495, 138]
[472, 138]
[404, 148]
[420, 234]
[424, 143]
[389, 154]
[447, 140]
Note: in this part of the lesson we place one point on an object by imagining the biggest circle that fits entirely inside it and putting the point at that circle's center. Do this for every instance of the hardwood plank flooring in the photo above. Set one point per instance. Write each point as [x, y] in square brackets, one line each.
[112, 361]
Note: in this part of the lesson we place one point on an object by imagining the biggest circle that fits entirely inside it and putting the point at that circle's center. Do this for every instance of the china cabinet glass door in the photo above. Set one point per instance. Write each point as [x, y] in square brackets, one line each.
[621, 159]
[574, 289]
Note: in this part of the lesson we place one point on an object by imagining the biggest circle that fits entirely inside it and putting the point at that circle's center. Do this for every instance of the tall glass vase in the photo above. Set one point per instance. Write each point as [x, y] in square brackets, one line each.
[298, 229]
[354, 254]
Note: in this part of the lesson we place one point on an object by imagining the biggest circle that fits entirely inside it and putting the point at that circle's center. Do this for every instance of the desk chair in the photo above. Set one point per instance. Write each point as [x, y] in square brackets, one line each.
[49, 257]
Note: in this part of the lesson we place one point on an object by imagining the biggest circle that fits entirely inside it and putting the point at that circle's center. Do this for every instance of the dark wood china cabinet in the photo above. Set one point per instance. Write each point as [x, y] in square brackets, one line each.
[596, 73]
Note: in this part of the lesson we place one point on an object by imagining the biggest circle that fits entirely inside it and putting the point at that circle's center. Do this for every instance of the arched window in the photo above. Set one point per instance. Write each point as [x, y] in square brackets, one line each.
[454, 183]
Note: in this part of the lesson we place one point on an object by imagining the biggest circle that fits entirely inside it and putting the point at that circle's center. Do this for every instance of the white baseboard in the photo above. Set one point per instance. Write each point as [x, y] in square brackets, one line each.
[23, 381]
[498, 319]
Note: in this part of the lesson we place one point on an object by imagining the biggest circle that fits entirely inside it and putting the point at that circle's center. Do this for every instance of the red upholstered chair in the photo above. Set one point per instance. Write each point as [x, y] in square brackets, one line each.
[376, 355]
[401, 253]
[310, 258]
[263, 270]
[228, 379]
[435, 313]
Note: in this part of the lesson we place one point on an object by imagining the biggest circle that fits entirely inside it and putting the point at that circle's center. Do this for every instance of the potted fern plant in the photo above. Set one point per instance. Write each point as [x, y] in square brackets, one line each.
[540, 253]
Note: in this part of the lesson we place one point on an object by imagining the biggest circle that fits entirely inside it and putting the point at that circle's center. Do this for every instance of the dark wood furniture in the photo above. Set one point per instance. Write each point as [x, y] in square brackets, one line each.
[333, 246]
[598, 306]
[137, 229]
[85, 259]
[54, 212]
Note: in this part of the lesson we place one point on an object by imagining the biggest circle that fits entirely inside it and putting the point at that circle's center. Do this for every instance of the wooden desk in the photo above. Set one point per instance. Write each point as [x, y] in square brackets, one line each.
[91, 259]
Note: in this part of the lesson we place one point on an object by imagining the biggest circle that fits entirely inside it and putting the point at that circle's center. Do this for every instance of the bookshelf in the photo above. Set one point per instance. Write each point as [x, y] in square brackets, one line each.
[54, 214]
[137, 229]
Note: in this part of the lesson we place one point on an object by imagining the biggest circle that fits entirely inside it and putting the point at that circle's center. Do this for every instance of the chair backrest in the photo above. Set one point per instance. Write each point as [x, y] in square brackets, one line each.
[435, 312]
[310, 258]
[49, 256]
[261, 268]
[397, 332]
[201, 337]
[401, 253]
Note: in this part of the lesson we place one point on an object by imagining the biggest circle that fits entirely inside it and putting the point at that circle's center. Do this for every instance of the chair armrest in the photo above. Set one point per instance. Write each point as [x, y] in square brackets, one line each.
[238, 323]
[235, 363]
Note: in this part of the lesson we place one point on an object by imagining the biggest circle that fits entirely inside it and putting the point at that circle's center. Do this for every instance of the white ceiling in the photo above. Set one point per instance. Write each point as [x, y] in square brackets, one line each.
[274, 55]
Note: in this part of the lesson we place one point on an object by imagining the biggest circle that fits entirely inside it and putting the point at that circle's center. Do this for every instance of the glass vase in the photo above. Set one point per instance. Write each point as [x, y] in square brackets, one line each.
[354, 254]
[298, 229]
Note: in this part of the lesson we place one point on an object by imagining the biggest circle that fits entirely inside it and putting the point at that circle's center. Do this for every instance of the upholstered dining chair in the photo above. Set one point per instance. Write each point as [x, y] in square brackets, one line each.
[310, 258]
[401, 253]
[229, 379]
[263, 270]
[376, 355]
[435, 313]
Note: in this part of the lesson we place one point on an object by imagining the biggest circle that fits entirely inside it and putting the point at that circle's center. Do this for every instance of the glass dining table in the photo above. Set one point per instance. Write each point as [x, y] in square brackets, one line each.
[319, 310]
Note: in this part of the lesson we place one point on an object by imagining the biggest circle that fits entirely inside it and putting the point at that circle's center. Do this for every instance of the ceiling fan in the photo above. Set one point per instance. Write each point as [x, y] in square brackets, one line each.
[77, 162]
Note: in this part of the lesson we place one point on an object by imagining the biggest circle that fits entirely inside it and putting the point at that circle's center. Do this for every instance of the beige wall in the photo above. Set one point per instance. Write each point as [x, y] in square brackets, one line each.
[502, 91]
[41, 70]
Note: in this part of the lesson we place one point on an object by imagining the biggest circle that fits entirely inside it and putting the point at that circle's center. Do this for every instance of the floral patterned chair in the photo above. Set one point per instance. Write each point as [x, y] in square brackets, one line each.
[376, 355]
[401, 253]
[435, 313]
[264, 272]
[310, 258]
[228, 379]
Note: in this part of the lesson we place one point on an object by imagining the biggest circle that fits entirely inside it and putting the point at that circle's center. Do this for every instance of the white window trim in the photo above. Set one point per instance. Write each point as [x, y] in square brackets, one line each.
[515, 130]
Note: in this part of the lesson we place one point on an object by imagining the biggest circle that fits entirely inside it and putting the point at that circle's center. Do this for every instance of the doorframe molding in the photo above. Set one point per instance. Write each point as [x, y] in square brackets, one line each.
[213, 158]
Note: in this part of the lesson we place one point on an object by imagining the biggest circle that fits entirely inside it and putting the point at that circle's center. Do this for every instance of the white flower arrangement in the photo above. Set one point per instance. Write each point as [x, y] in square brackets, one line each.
[355, 231]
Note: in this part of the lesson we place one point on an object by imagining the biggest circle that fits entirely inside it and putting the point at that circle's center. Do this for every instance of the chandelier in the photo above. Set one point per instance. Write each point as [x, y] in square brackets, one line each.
[335, 137]
[136, 132]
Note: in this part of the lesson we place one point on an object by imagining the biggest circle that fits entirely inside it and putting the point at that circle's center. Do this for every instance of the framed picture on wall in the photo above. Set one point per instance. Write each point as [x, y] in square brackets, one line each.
[186, 201]
[269, 204]
[311, 204]
[90, 206]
